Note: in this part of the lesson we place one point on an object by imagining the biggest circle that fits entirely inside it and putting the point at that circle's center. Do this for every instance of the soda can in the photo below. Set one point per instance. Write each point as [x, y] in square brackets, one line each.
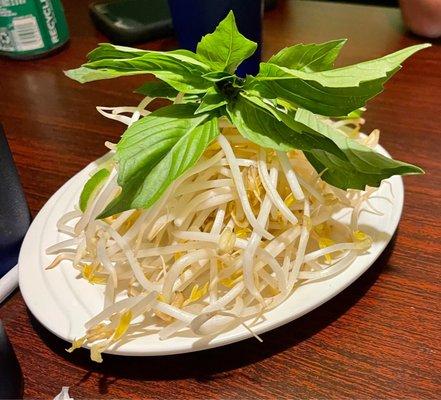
[31, 28]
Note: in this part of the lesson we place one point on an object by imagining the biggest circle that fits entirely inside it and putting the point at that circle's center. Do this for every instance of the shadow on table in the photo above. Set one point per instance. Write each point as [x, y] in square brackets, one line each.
[204, 365]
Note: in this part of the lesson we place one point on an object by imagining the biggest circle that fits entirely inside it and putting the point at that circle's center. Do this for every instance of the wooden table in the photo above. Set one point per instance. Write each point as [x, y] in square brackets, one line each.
[377, 339]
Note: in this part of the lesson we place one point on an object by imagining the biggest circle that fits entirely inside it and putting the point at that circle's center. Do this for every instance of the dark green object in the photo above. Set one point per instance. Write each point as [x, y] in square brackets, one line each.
[31, 28]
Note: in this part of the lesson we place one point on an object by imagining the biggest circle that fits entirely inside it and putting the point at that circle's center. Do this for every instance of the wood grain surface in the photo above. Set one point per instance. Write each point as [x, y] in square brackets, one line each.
[379, 339]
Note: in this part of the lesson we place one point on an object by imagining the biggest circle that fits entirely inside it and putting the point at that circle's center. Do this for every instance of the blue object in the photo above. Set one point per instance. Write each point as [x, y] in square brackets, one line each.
[192, 19]
[14, 211]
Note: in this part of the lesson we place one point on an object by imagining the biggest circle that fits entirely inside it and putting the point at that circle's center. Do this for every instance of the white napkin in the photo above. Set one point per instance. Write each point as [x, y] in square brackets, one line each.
[8, 283]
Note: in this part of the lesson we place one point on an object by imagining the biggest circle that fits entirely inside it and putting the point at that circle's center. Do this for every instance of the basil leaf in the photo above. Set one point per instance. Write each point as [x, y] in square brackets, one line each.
[363, 166]
[217, 76]
[211, 101]
[162, 90]
[275, 130]
[107, 50]
[335, 92]
[353, 75]
[226, 47]
[92, 186]
[341, 174]
[180, 69]
[157, 89]
[295, 92]
[111, 51]
[269, 105]
[344, 162]
[146, 141]
[156, 150]
[182, 156]
[309, 57]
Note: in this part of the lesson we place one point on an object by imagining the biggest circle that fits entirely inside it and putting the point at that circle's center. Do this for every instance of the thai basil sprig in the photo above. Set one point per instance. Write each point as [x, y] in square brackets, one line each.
[281, 108]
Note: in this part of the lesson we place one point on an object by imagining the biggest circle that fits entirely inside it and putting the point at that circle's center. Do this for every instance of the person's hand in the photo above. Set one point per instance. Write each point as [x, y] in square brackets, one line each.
[423, 17]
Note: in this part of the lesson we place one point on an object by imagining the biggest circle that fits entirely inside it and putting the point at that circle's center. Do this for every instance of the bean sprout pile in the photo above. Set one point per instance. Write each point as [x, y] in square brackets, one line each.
[229, 240]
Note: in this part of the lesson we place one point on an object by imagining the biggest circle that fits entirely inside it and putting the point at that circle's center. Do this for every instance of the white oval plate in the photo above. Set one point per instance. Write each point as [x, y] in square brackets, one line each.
[63, 303]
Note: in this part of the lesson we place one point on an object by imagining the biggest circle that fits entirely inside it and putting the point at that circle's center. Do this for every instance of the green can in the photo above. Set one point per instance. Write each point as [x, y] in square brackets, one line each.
[31, 28]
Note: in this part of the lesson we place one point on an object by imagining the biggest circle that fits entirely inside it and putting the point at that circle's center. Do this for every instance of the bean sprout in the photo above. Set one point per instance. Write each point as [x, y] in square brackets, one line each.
[229, 240]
